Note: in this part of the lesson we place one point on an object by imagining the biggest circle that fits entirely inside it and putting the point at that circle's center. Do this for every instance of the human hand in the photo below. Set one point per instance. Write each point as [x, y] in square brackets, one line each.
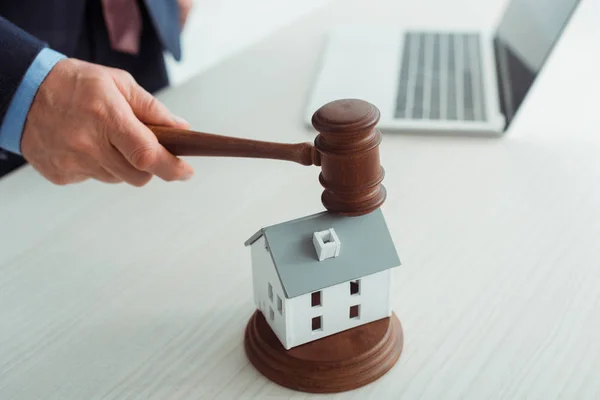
[185, 6]
[86, 122]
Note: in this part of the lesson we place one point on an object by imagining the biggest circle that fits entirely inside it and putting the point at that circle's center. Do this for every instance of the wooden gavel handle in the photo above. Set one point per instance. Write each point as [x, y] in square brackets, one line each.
[182, 142]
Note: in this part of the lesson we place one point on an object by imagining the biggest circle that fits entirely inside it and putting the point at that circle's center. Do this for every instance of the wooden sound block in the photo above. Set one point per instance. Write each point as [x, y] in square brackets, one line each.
[336, 363]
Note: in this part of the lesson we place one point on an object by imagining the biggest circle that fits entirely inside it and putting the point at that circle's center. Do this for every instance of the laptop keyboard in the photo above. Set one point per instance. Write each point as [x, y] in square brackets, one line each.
[441, 77]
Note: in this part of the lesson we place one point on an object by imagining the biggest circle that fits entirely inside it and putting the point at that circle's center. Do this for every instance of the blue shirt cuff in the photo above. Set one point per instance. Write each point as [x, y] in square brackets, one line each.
[14, 119]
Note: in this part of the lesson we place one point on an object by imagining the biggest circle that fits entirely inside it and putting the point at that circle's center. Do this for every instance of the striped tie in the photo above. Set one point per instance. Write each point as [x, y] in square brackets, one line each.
[124, 24]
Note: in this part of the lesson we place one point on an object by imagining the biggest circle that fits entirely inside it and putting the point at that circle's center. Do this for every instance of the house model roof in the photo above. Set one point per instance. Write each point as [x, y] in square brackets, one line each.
[366, 248]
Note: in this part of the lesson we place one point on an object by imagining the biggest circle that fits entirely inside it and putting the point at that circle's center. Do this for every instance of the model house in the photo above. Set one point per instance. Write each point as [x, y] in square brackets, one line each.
[322, 274]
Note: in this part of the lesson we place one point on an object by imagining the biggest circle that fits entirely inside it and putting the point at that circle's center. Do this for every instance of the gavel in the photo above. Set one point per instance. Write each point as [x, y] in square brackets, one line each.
[346, 149]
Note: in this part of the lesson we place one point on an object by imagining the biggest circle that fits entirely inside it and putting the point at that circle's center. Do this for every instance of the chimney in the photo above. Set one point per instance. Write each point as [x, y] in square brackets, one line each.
[327, 244]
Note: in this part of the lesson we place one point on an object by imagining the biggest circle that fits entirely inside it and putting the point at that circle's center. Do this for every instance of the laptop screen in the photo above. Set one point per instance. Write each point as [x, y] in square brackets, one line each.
[524, 39]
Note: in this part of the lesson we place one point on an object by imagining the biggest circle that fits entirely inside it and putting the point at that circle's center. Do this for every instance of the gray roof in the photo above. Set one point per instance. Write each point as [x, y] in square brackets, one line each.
[366, 248]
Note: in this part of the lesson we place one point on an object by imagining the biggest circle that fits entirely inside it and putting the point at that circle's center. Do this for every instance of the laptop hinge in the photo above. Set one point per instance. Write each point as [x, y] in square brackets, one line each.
[502, 75]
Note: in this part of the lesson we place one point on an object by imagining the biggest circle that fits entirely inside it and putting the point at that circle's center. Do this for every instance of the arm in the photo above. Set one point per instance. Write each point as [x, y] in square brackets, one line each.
[73, 120]
[25, 63]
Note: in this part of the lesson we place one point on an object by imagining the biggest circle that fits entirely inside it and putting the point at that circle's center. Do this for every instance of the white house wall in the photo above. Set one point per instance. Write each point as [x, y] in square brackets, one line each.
[374, 301]
[263, 273]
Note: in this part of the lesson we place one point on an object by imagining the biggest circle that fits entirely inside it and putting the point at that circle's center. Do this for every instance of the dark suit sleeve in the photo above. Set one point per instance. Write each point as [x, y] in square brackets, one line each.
[18, 49]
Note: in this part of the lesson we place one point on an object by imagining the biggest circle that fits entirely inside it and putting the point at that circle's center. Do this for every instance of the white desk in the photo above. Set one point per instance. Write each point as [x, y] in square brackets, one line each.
[112, 292]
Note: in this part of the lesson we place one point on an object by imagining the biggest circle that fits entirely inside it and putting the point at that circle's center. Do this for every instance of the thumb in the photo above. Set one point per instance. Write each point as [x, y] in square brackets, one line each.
[147, 108]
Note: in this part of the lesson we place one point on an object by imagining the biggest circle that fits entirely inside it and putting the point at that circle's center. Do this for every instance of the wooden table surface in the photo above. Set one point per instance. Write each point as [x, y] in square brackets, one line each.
[115, 292]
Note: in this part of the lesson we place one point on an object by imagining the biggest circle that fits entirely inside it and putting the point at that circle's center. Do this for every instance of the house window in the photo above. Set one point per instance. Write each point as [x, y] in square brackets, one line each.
[354, 287]
[271, 314]
[315, 299]
[270, 292]
[317, 323]
[355, 312]
[279, 305]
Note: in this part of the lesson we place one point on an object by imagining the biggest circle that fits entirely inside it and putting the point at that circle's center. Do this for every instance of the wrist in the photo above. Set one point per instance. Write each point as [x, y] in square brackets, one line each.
[12, 128]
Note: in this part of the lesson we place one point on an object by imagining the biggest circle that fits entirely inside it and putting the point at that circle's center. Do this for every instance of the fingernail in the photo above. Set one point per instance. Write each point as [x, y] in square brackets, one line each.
[180, 120]
[187, 176]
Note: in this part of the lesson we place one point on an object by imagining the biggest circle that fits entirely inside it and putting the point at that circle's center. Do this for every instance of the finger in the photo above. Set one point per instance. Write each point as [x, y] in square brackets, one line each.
[77, 179]
[101, 174]
[118, 166]
[61, 170]
[62, 179]
[146, 107]
[91, 164]
[141, 149]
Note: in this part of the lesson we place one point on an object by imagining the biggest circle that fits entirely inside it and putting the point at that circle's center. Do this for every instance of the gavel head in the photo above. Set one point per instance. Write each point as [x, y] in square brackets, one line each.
[348, 147]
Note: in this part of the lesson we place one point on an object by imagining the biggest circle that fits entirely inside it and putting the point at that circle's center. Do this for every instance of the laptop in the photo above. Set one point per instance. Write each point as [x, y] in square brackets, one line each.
[430, 81]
